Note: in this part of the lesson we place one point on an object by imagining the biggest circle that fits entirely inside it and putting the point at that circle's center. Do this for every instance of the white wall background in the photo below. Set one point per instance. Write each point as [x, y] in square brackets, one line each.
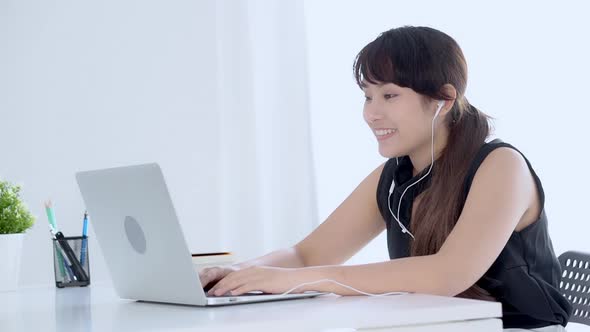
[197, 86]
[80, 90]
[527, 64]
[528, 68]
[90, 85]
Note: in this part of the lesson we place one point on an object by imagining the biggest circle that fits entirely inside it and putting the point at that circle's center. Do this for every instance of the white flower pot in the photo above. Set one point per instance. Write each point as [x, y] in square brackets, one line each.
[10, 253]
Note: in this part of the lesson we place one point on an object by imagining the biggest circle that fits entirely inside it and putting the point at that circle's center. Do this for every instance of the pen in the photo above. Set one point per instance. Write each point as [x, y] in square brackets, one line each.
[84, 246]
[79, 272]
[62, 257]
[53, 226]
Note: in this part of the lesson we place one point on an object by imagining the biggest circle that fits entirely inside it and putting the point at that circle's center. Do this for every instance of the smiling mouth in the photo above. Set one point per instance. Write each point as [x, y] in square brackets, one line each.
[383, 134]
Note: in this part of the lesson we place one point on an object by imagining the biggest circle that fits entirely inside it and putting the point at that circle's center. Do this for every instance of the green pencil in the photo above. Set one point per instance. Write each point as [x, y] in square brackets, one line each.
[53, 223]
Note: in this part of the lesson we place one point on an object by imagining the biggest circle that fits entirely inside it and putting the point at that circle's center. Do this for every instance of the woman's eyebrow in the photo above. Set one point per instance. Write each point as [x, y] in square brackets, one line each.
[364, 84]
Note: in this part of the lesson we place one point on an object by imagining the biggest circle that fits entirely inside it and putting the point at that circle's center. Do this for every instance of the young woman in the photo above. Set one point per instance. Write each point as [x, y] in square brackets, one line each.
[464, 217]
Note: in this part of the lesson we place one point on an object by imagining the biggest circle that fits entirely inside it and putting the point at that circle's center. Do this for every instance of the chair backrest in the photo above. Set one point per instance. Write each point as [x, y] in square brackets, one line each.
[575, 284]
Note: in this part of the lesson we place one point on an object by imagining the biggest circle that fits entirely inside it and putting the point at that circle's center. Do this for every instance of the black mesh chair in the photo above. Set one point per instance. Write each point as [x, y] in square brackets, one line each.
[575, 284]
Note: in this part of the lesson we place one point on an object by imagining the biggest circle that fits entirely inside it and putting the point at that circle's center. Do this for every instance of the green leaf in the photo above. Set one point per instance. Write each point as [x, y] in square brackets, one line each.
[14, 215]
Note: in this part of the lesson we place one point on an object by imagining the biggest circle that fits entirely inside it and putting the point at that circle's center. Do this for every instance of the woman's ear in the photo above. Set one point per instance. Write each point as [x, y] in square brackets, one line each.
[449, 91]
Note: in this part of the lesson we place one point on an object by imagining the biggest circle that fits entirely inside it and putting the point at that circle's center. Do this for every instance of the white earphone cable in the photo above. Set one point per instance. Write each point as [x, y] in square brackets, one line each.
[343, 285]
[404, 229]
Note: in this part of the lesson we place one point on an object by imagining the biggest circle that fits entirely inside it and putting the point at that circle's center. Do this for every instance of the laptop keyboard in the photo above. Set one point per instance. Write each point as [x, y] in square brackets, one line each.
[253, 293]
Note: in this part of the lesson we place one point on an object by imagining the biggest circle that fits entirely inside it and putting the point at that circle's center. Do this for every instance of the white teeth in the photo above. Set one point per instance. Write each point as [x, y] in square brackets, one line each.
[381, 132]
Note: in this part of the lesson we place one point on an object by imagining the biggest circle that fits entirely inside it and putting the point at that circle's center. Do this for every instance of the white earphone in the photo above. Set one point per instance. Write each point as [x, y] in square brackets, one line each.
[404, 230]
[440, 105]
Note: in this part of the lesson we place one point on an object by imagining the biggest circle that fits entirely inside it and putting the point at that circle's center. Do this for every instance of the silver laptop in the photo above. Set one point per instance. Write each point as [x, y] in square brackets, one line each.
[143, 245]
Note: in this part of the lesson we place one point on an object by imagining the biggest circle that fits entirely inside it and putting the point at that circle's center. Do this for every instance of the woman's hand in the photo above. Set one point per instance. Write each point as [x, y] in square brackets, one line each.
[258, 278]
[211, 275]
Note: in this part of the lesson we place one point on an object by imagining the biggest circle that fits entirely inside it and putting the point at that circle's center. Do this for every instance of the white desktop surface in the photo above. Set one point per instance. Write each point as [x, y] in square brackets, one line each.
[97, 308]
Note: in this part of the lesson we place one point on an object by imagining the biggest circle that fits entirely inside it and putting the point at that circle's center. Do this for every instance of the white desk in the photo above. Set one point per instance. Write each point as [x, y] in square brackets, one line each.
[97, 308]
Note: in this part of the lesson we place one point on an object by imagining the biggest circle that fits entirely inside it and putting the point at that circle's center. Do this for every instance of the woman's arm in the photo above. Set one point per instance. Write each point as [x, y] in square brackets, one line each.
[288, 257]
[349, 228]
[500, 194]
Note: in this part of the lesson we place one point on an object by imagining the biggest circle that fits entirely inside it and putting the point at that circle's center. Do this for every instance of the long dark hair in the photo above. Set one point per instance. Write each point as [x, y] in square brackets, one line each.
[425, 59]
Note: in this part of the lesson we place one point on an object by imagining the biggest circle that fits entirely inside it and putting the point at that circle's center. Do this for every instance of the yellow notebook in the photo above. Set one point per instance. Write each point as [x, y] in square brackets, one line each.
[202, 260]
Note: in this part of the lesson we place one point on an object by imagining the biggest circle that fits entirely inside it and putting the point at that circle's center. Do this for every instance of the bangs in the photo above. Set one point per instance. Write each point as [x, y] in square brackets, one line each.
[419, 58]
[374, 65]
[400, 57]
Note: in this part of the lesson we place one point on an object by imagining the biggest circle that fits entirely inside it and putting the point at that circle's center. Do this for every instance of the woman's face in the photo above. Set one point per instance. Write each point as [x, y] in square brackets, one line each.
[399, 117]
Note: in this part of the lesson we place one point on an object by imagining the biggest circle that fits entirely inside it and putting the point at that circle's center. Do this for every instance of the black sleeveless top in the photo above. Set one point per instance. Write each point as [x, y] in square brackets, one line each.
[526, 274]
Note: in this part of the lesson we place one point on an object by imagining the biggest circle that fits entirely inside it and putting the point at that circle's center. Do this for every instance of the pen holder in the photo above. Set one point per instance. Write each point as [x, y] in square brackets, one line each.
[71, 264]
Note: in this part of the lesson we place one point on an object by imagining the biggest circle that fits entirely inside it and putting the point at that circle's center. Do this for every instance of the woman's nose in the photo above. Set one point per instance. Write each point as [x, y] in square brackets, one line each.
[372, 114]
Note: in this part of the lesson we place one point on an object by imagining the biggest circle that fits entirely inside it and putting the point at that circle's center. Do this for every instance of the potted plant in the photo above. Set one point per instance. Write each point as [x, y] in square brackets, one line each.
[15, 219]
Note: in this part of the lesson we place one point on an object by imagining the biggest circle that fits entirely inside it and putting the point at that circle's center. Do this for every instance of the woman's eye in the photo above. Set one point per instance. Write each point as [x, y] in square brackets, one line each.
[389, 96]
[367, 98]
